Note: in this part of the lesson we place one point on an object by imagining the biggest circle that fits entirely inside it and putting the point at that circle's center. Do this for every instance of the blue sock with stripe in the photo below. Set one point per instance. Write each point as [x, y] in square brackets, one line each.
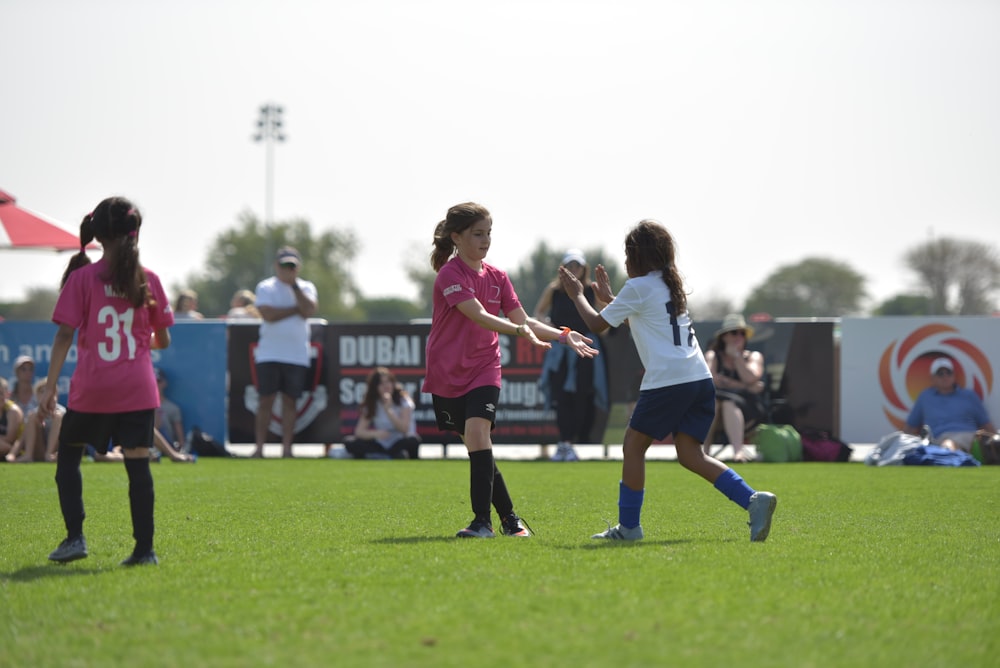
[629, 505]
[736, 490]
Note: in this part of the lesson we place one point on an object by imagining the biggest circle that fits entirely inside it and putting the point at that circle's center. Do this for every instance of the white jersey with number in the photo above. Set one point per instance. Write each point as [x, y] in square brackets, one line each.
[665, 341]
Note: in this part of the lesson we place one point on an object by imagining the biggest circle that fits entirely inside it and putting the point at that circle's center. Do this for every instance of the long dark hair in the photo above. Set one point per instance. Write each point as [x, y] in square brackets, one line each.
[115, 222]
[649, 247]
[377, 375]
[460, 217]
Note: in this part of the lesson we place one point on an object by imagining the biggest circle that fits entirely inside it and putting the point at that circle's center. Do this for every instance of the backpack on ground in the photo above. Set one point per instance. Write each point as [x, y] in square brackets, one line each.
[778, 443]
[204, 445]
[821, 446]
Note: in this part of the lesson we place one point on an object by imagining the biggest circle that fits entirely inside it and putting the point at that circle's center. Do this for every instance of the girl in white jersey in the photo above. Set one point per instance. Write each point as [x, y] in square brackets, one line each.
[677, 395]
[118, 310]
[463, 354]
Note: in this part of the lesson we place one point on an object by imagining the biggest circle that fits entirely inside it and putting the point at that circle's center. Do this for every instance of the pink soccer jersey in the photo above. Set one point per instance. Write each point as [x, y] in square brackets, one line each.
[462, 355]
[114, 370]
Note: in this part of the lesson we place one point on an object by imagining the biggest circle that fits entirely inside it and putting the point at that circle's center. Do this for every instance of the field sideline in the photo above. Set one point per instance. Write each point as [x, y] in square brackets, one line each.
[312, 562]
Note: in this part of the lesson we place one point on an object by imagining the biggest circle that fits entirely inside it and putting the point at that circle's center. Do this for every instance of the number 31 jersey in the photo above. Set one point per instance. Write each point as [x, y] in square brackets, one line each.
[114, 370]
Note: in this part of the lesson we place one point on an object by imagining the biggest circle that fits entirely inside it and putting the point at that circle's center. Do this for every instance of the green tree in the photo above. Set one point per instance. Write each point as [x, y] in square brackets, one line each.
[529, 277]
[38, 305]
[961, 277]
[240, 257]
[904, 305]
[813, 287]
[541, 267]
[389, 309]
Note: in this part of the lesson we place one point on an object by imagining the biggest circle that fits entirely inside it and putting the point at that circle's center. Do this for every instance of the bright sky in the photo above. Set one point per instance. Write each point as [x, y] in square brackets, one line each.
[760, 132]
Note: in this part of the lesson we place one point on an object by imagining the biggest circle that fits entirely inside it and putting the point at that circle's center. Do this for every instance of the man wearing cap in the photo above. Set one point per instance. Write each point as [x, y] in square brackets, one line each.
[952, 413]
[285, 302]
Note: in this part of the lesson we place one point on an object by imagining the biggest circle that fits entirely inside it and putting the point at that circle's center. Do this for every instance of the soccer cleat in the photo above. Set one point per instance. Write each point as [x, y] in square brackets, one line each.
[478, 529]
[761, 510]
[570, 455]
[618, 532]
[512, 525]
[69, 550]
[146, 559]
[559, 455]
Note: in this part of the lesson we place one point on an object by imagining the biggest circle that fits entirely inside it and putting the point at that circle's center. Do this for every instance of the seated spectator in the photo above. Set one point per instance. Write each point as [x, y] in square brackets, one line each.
[387, 424]
[738, 375]
[243, 306]
[40, 439]
[168, 418]
[11, 420]
[23, 391]
[162, 445]
[952, 413]
[186, 307]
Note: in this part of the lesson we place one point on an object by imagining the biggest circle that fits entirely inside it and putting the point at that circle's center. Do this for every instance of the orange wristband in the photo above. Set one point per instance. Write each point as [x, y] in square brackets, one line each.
[564, 335]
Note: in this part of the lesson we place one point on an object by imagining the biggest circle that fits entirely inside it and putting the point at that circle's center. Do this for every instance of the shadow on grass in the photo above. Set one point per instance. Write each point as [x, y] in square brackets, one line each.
[414, 540]
[623, 544]
[32, 573]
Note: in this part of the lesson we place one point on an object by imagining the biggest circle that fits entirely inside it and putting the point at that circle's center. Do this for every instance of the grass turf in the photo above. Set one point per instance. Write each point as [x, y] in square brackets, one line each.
[354, 563]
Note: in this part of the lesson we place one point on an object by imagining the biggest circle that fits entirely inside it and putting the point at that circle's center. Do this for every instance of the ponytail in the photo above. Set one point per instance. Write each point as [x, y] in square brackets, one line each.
[80, 259]
[649, 247]
[460, 218]
[115, 220]
[443, 246]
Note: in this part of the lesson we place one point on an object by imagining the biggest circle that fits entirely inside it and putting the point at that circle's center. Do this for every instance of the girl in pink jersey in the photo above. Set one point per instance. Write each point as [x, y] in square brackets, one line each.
[677, 395]
[463, 354]
[120, 311]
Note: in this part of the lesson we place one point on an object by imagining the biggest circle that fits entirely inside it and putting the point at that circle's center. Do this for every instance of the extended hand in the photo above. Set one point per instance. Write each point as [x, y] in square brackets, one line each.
[570, 283]
[602, 285]
[579, 343]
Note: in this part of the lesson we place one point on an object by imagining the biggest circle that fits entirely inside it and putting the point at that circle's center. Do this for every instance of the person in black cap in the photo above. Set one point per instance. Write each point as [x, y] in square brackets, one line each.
[286, 302]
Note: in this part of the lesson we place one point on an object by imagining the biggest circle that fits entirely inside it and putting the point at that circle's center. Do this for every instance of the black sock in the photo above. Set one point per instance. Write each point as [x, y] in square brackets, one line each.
[481, 468]
[140, 496]
[69, 482]
[501, 497]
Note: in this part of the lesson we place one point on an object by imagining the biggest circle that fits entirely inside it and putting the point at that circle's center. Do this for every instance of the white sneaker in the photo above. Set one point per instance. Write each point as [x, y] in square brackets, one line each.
[570, 455]
[618, 532]
[761, 511]
[559, 455]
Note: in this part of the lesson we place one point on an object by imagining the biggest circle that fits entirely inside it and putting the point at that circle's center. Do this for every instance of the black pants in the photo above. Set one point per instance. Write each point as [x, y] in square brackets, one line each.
[404, 448]
[575, 410]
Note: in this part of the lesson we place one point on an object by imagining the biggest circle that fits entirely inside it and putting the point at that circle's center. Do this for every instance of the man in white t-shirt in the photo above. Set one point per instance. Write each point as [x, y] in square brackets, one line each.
[285, 302]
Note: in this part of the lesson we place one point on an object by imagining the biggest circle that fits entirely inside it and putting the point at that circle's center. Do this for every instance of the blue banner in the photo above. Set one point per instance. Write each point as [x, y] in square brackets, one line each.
[194, 365]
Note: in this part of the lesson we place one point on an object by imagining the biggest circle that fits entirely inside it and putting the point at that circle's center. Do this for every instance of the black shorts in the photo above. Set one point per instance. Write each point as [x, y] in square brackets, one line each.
[274, 377]
[103, 430]
[452, 412]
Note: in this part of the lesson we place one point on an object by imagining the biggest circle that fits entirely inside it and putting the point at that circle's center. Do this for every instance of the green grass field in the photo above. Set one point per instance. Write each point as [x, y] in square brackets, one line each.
[354, 563]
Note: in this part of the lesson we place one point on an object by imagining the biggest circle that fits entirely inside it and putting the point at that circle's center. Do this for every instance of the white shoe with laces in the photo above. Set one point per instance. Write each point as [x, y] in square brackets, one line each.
[618, 532]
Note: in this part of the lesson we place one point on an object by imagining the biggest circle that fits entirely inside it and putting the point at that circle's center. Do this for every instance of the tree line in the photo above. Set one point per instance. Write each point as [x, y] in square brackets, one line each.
[954, 277]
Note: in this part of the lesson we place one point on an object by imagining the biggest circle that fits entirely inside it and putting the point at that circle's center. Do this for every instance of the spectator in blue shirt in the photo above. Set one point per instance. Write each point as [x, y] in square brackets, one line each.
[953, 413]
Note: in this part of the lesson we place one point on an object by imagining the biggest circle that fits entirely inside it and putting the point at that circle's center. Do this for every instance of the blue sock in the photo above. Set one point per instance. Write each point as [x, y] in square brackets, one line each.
[736, 490]
[629, 506]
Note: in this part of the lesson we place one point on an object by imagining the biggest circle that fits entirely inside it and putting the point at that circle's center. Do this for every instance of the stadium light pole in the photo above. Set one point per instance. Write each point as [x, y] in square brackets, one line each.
[269, 131]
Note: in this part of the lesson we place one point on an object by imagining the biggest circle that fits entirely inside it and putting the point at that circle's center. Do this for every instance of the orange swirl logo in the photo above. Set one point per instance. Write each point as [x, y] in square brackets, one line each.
[904, 370]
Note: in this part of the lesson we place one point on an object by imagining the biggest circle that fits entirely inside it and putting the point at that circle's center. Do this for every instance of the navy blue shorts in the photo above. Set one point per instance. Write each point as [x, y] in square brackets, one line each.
[101, 430]
[274, 377]
[452, 412]
[688, 408]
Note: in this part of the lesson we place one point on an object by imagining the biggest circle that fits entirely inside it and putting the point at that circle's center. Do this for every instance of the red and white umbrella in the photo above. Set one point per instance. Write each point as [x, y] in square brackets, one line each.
[21, 228]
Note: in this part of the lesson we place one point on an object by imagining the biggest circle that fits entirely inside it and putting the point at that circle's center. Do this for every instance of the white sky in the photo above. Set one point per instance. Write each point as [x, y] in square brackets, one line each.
[760, 132]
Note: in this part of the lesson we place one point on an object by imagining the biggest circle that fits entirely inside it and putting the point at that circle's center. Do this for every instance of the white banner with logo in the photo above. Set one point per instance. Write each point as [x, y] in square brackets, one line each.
[885, 364]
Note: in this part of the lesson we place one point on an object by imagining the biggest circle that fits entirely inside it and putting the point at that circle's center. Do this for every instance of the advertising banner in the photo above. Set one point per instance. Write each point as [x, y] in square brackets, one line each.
[315, 413]
[194, 365]
[885, 365]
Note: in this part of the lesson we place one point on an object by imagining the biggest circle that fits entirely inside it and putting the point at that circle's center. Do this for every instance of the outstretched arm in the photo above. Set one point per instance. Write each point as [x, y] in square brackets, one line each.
[574, 288]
